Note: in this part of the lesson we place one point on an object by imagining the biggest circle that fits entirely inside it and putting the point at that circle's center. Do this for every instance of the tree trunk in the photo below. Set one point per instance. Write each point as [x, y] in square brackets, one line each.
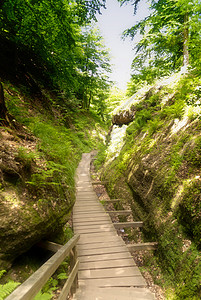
[186, 40]
[3, 109]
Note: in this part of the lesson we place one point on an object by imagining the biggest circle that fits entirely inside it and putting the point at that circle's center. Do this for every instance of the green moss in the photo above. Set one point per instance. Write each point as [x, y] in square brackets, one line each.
[193, 154]
[188, 212]
[157, 163]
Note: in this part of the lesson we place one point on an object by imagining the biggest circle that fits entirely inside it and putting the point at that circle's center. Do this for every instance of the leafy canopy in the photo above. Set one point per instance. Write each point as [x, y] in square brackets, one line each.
[170, 32]
[73, 58]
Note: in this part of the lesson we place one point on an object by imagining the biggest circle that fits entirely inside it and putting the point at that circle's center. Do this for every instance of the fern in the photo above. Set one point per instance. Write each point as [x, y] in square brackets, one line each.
[6, 289]
[62, 276]
[2, 272]
[43, 296]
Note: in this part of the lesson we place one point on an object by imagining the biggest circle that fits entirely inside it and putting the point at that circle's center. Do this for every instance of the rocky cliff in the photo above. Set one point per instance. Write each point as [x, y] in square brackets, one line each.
[40, 148]
[158, 173]
[29, 210]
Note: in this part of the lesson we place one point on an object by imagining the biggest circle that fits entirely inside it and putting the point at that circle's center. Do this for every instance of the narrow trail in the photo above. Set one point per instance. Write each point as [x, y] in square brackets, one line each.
[107, 270]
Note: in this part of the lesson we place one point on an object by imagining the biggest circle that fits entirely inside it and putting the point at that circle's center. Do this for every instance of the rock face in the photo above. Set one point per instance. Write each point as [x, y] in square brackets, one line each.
[123, 117]
[29, 211]
[158, 174]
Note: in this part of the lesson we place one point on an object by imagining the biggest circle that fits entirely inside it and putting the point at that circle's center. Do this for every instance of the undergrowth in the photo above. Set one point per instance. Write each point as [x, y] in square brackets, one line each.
[49, 167]
[161, 159]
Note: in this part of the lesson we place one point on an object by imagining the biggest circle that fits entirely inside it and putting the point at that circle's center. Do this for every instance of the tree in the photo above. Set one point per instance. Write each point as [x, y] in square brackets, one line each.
[3, 109]
[93, 67]
[53, 31]
[166, 37]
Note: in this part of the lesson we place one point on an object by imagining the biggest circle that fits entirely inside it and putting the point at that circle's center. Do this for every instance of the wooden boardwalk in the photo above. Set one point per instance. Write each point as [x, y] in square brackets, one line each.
[107, 270]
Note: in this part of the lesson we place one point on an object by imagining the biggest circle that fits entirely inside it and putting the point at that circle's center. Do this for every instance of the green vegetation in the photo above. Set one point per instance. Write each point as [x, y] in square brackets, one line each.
[46, 148]
[54, 46]
[158, 172]
[7, 288]
[168, 40]
[54, 68]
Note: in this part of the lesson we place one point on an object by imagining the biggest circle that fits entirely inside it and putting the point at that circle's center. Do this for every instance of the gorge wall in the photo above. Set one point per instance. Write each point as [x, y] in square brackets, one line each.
[157, 172]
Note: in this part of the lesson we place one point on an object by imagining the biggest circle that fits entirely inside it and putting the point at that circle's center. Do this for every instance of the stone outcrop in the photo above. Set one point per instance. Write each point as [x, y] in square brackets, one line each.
[29, 211]
[123, 117]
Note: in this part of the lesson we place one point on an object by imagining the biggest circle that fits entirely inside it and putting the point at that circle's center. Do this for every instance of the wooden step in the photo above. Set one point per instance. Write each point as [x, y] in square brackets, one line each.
[114, 263]
[128, 224]
[113, 293]
[142, 246]
[99, 182]
[119, 212]
[111, 200]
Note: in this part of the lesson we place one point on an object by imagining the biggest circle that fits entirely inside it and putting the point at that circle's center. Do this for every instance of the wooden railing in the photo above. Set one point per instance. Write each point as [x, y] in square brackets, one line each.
[28, 289]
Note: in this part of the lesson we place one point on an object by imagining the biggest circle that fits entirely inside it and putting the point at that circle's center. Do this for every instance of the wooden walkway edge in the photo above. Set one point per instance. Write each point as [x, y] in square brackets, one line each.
[106, 270]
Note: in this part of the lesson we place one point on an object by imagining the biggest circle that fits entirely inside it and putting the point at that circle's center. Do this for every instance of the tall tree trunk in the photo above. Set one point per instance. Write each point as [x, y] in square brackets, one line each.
[186, 40]
[3, 109]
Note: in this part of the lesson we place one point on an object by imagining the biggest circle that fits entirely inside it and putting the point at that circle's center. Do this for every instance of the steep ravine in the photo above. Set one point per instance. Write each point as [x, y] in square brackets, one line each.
[157, 171]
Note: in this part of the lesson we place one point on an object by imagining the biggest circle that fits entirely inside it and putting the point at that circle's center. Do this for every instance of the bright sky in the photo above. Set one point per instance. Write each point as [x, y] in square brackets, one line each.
[113, 21]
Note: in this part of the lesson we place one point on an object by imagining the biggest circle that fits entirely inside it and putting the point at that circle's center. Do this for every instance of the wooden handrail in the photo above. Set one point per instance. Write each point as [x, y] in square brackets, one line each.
[49, 246]
[28, 289]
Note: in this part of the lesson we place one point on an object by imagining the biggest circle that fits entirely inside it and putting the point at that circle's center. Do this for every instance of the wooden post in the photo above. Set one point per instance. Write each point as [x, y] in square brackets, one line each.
[73, 260]
[36, 281]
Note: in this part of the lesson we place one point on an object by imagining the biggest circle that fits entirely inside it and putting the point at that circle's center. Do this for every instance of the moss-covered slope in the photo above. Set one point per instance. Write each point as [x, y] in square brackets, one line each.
[158, 172]
[39, 153]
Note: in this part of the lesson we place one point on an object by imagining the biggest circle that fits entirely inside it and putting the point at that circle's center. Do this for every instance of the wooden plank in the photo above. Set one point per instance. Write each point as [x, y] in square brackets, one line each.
[104, 257]
[99, 182]
[98, 239]
[85, 189]
[109, 272]
[89, 213]
[94, 230]
[96, 220]
[94, 226]
[35, 282]
[128, 224]
[86, 201]
[142, 246]
[49, 246]
[100, 234]
[99, 218]
[88, 192]
[99, 228]
[67, 286]
[111, 200]
[114, 249]
[100, 245]
[114, 293]
[119, 212]
[84, 185]
[90, 222]
[116, 282]
[81, 205]
[107, 264]
[84, 194]
[87, 210]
